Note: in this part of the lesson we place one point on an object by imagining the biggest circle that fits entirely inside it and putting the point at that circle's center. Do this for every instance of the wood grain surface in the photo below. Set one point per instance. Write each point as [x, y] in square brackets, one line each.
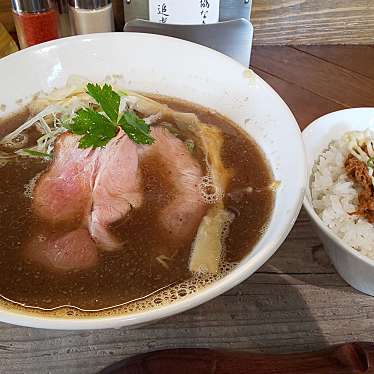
[296, 302]
[278, 22]
[313, 21]
[6, 16]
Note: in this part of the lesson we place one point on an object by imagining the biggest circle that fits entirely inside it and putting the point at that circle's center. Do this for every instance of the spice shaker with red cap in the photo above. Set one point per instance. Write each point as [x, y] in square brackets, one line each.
[36, 21]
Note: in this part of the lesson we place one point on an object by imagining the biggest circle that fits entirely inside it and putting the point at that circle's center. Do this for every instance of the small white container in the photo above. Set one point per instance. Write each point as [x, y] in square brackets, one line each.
[353, 267]
[91, 16]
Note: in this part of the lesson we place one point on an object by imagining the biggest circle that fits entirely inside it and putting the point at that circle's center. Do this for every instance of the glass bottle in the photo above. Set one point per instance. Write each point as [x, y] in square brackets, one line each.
[36, 21]
[90, 16]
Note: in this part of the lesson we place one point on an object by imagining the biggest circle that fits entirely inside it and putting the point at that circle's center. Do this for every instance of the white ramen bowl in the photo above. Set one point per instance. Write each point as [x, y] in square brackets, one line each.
[353, 267]
[172, 67]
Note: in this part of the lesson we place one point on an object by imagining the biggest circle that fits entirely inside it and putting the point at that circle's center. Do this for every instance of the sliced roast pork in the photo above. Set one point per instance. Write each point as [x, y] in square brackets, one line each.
[74, 250]
[64, 192]
[95, 188]
[182, 216]
[117, 189]
[89, 188]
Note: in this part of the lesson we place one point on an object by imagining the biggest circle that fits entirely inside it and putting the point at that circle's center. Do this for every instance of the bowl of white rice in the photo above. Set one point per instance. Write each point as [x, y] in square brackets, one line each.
[340, 194]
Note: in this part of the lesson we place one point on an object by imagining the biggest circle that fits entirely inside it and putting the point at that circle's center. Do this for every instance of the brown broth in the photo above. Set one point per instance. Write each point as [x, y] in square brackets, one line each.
[133, 272]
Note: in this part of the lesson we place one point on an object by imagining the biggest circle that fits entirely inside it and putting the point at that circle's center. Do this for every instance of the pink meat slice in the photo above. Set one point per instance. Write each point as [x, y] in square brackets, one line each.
[95, 188]
[117, 189]
[63, 192]
[182, 216]
[98, 187]
[71, 251]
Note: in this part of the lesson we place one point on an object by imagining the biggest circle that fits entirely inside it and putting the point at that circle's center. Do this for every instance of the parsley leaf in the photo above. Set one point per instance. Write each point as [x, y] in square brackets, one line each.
[370, 162]
[96, 129]
[108, 99]
[190, 144]
[136, 128]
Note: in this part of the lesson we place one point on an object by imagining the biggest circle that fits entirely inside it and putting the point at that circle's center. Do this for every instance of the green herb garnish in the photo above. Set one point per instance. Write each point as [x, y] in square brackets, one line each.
[190, 144]
[370, 162]
[106, 98]
[122, 93]
[135, 128]
[33, 153]
[98, 127]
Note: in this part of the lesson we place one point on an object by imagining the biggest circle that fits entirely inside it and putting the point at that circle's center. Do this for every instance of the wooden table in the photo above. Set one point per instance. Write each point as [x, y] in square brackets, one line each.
[296, 302]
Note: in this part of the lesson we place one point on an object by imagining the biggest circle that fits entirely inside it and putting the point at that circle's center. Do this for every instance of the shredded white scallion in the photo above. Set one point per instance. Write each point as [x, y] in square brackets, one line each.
[163, 260]
[53, 111]
[57, 109]
[32, 121]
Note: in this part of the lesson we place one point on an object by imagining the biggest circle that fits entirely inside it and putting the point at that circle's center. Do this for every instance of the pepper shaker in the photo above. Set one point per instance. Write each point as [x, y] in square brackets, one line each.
[90, 16]
[36, 21]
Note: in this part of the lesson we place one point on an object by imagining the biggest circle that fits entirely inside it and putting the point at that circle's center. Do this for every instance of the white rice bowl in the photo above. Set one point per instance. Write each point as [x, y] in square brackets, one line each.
[334, 197]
